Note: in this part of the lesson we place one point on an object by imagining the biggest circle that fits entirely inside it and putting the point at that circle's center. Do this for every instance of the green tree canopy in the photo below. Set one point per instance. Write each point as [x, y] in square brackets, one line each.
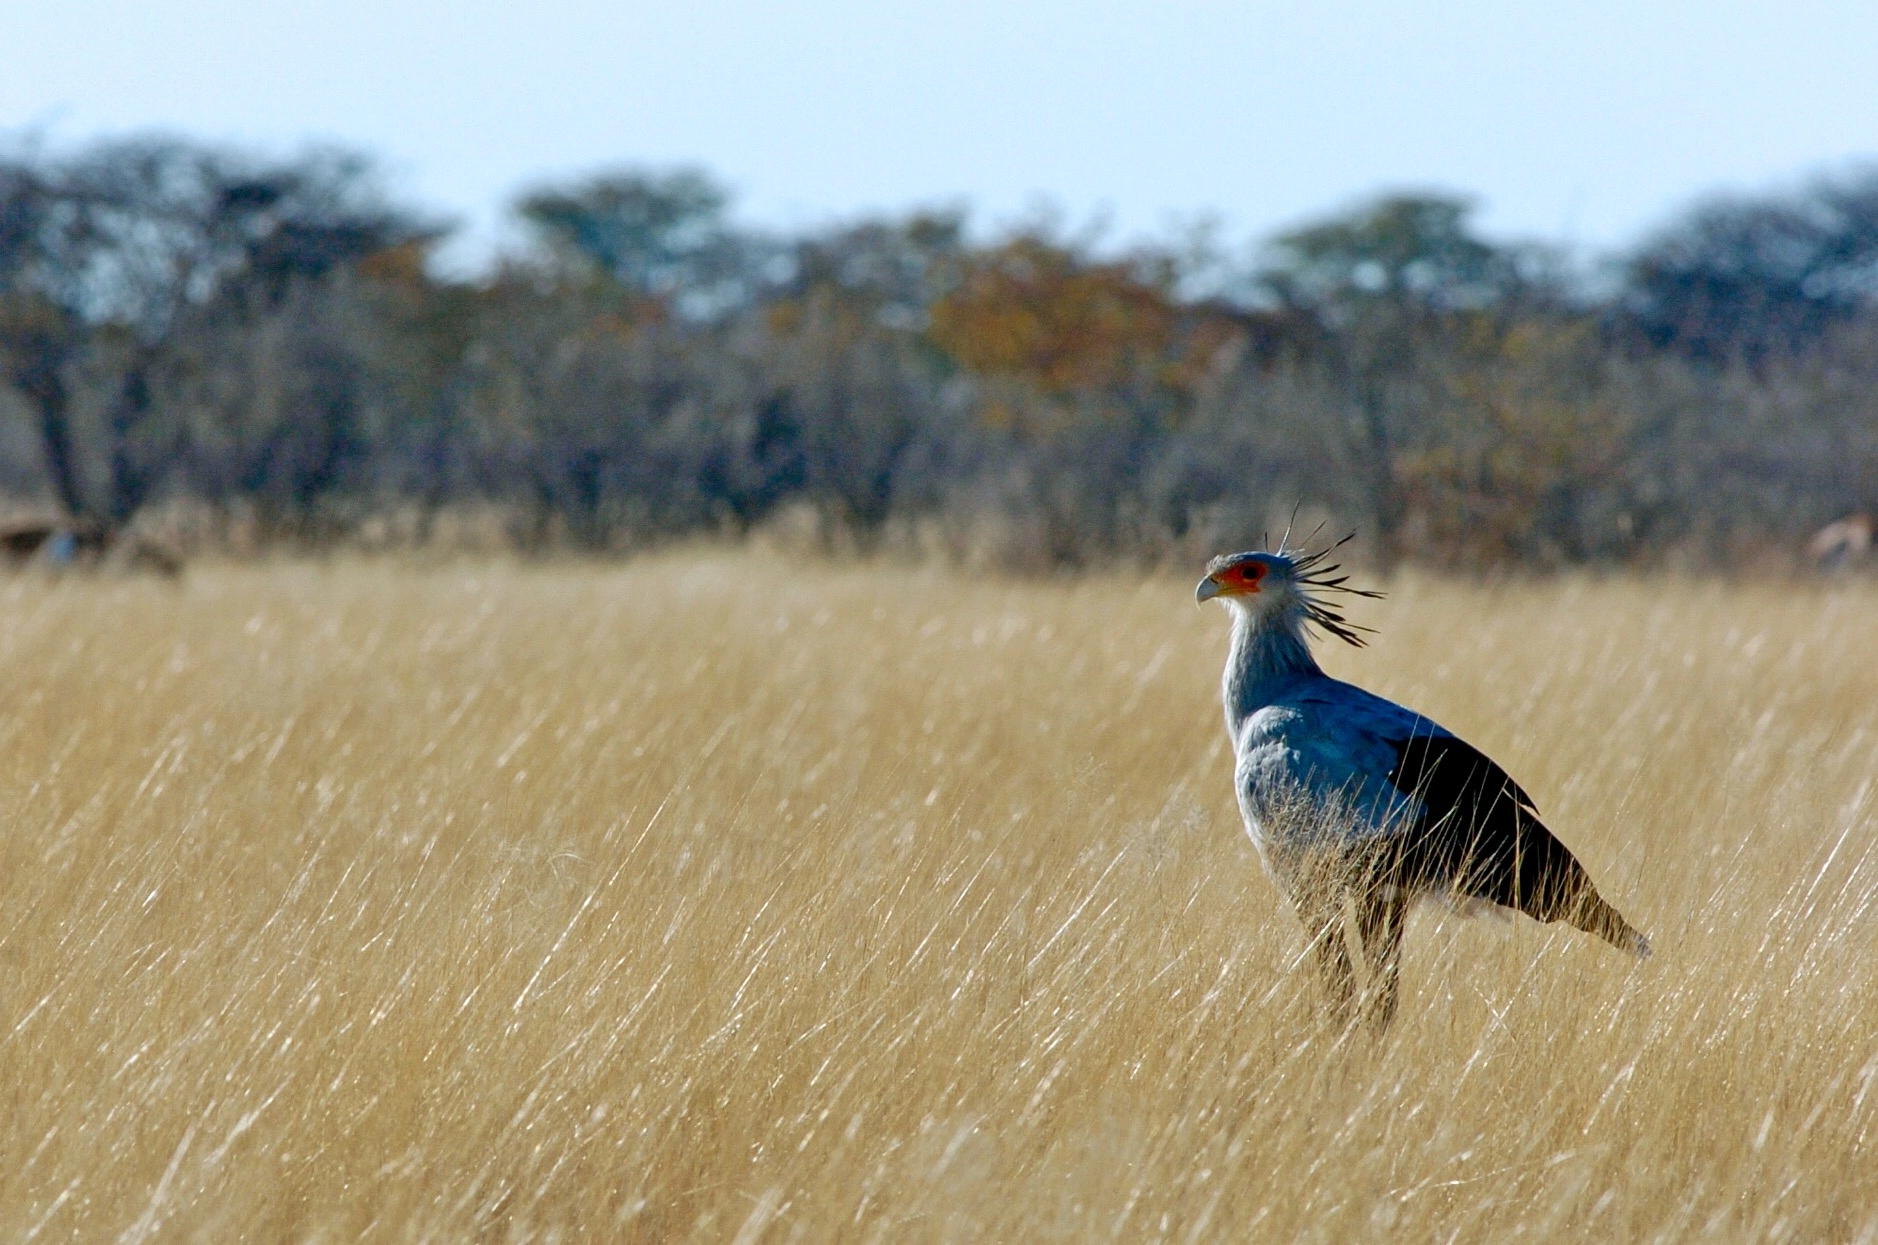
[1400, 250]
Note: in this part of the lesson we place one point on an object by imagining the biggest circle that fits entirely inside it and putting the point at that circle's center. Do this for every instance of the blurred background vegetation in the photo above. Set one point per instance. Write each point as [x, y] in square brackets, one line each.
[246, 352]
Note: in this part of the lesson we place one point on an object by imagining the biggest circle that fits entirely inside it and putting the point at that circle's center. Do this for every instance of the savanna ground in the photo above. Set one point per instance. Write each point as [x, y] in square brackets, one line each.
[719, 898]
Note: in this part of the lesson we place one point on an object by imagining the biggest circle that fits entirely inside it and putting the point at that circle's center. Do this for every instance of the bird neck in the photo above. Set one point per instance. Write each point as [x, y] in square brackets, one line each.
[1267, 651]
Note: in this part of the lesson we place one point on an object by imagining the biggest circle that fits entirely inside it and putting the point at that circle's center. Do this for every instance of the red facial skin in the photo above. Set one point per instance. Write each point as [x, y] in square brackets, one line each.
[1241, 580]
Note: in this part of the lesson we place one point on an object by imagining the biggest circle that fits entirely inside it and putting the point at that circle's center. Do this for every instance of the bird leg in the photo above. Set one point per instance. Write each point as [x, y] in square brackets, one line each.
[1321, 910]
[1380, 913]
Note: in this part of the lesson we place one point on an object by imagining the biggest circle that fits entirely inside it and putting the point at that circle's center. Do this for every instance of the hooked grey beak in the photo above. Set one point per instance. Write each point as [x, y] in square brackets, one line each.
[1208, 589]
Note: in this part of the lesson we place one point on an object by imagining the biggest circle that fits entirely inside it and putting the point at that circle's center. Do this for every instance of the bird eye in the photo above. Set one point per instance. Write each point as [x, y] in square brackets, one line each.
[1253, 571]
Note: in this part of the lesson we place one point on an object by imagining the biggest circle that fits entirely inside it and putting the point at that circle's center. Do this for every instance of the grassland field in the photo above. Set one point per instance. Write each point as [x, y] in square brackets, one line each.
[724, 897]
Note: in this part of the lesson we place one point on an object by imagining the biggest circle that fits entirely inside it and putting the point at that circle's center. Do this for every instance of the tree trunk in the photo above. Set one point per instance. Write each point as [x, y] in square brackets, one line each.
[39, 376]
[130, 478]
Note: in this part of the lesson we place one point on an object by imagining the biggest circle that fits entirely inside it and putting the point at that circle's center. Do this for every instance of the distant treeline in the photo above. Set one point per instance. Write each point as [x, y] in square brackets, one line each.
[204, 338]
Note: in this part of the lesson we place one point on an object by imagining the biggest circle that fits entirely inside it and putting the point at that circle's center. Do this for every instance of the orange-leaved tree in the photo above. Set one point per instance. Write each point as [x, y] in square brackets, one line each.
[1053, 331]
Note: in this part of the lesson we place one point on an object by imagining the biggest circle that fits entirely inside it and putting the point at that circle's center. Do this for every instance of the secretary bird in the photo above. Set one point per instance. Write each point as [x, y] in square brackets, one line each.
[1350, 798]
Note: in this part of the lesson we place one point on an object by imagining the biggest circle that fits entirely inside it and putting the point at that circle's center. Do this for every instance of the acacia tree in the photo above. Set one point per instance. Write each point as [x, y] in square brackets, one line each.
[127, 254]
[851, 373]
[662, 237]
[1394, 291]
[41, 326]
[1755, 277]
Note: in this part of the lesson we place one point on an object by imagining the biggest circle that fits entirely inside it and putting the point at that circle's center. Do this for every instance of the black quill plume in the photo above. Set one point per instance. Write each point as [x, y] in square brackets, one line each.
[1316, 571]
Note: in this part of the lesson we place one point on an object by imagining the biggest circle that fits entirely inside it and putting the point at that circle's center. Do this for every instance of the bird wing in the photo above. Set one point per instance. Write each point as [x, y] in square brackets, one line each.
[1335, 741]
[1439, 763]
[1452, 785]
[1475, 830]
[1362, 726]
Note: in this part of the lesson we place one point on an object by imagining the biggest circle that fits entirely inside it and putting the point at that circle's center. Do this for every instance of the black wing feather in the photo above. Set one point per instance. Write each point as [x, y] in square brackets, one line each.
[1478, 832]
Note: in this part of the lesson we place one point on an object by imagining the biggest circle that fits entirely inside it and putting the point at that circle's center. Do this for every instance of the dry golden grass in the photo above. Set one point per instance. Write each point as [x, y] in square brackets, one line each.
[714, 898]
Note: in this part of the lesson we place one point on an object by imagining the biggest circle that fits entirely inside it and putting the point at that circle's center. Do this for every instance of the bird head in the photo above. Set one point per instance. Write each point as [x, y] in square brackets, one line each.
[1286, 587]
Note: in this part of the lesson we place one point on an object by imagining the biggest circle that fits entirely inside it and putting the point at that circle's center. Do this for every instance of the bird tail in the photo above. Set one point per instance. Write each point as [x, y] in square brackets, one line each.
[1592, 915]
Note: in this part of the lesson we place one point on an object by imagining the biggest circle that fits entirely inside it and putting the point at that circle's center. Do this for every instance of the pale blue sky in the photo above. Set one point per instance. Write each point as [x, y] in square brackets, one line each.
[1583, 122]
